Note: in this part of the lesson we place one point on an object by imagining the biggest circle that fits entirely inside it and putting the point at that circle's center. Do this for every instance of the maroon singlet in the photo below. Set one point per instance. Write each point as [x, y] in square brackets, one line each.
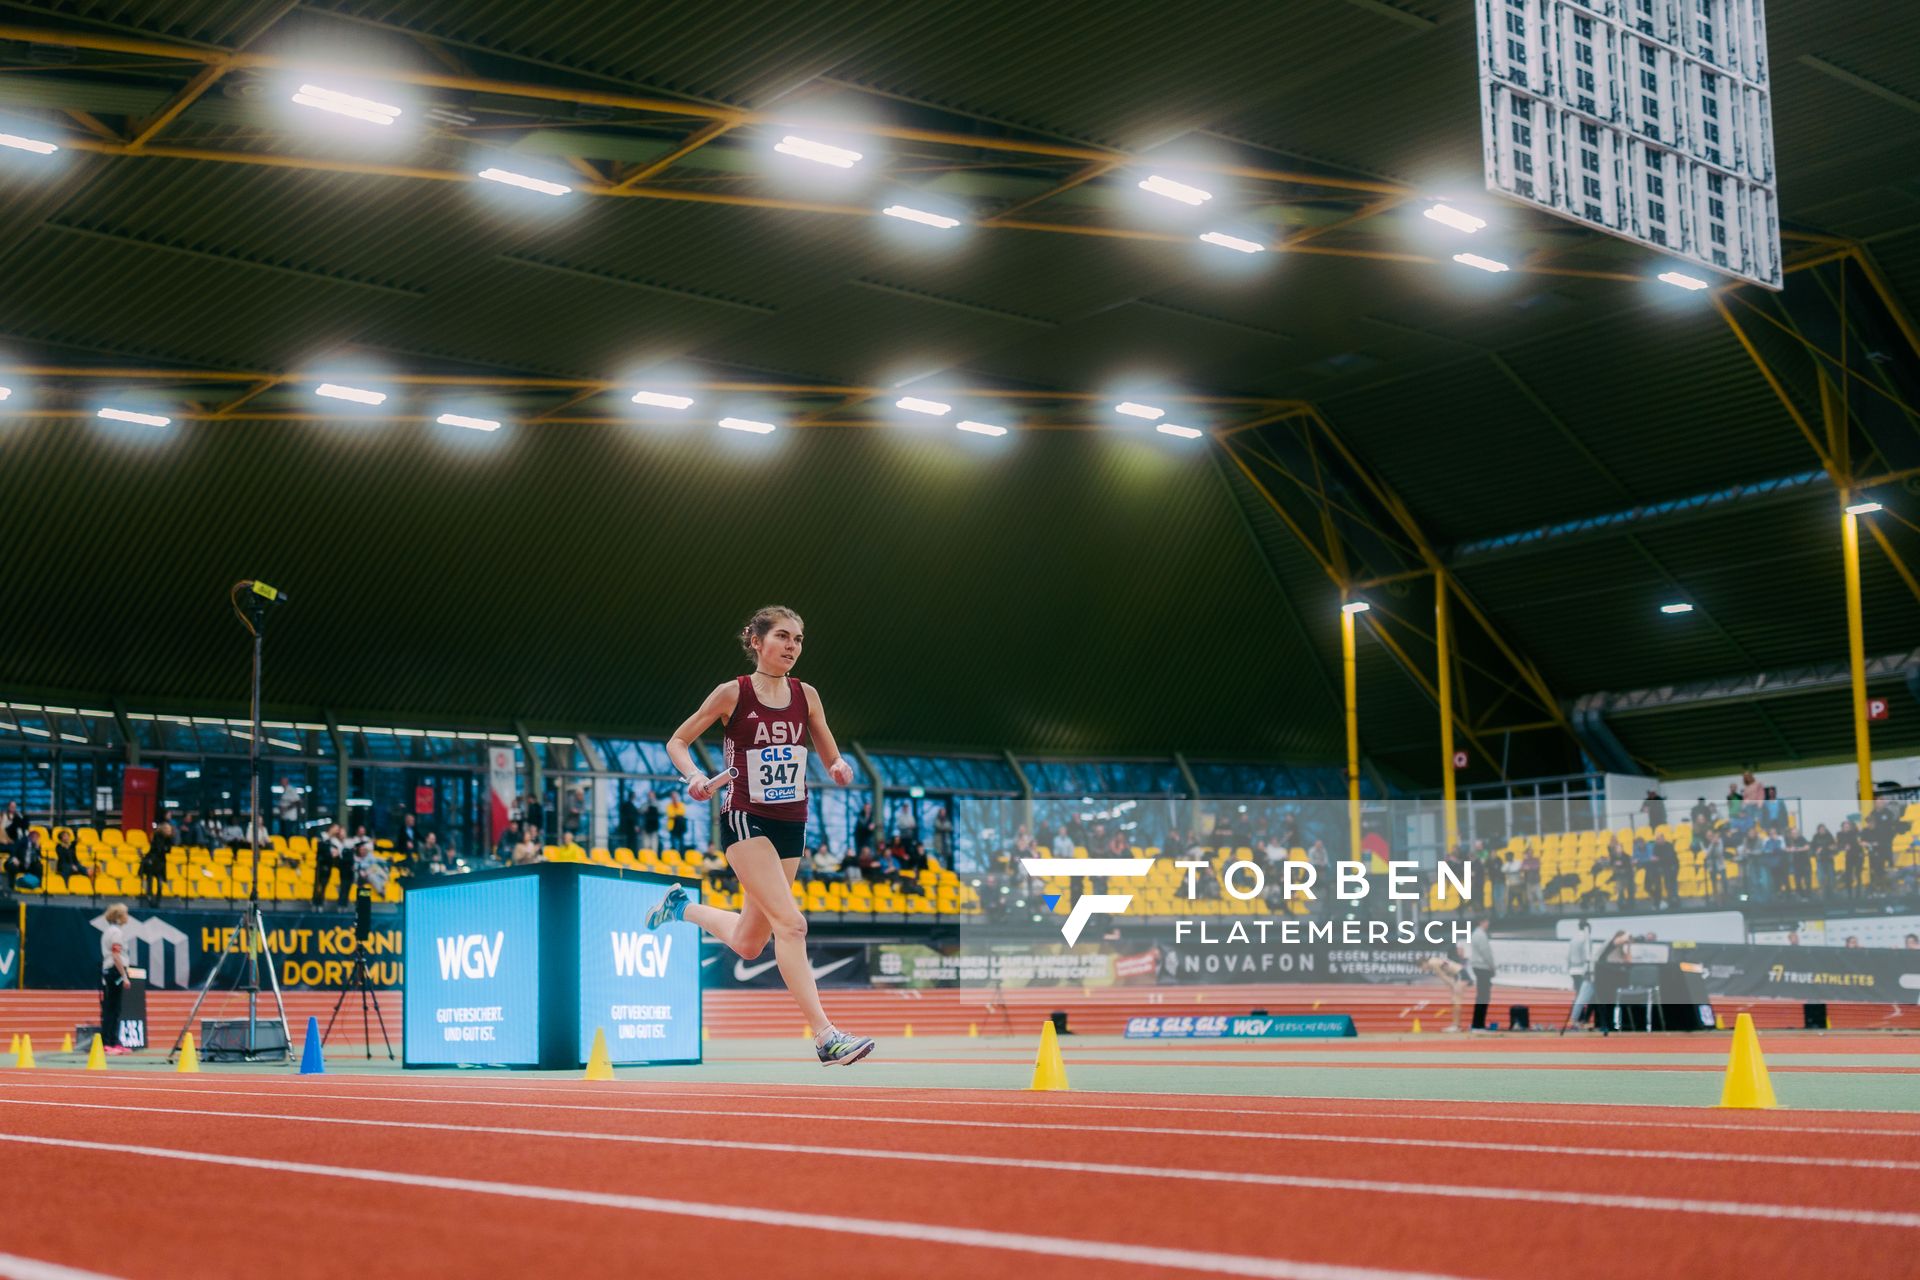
[768, 745]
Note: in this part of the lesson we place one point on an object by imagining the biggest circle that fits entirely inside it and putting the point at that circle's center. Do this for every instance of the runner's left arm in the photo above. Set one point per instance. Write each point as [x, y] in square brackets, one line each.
[838, 766]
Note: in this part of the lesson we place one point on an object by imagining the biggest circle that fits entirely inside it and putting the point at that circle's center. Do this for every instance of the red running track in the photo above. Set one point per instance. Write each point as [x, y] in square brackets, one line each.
[770, 1012]
[439, 1176]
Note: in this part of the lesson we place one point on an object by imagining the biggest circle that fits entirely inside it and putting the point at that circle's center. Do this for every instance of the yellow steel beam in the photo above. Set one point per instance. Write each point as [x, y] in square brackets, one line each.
[1374, 209]
[1828, 356]
[1384, 636]
[1445, 682]
[246, 397]
[1779, 390]
[1857, 654]
[1899, 565]
[203, 80]
[1871, 270]
[1404, 518]
[1293, 527]
[1097, 169]
[1349, 667]
[697, 139]
[92, 124]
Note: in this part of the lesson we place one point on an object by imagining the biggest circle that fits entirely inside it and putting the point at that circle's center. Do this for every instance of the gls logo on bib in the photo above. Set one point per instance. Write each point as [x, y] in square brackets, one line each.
[640, 954]
[467, 955]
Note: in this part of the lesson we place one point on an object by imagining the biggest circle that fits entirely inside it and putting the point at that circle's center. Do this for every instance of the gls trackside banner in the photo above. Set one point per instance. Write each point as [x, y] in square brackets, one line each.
[1256, 1027]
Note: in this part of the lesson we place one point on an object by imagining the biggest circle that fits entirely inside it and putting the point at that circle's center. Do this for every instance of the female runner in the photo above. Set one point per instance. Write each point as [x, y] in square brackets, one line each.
[770, 721]
[1451, 973]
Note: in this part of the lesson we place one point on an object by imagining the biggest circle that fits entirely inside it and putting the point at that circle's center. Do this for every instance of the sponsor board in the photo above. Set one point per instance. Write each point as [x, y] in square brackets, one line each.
[311, 950]
[1251, 1027]
[833, 966]
[9, 959]
[1042, 965]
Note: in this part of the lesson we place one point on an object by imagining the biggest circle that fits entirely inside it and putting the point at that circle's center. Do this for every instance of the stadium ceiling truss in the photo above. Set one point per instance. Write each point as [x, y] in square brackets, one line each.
[1358, 531]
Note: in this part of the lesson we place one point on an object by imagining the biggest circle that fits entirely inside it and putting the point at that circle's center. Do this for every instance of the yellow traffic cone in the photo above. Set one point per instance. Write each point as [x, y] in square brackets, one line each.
[66, 1043]
[1049, 1071]
[1747, 1085]
[599, 1065]
[97, 1055]
[189, 1056]
[1316, 1006]
[24, 1059]
[1719, 1022]
[705, 1035]
[1416, 1026]
[973, 1031]
[907, 1034]
[806, 1032]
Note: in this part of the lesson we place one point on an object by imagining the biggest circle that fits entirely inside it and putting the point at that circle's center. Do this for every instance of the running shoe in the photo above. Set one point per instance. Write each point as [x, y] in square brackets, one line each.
[842, 1049]
[671, 907]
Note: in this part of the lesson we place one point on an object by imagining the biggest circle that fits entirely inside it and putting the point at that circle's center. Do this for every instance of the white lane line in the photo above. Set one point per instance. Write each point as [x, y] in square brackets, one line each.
[1258, 1135]
[1578, 1199]
[14, 1267]
[919, 1232]
[683, 1092]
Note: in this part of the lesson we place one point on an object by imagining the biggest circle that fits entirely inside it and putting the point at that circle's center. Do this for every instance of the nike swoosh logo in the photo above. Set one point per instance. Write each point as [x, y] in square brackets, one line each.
[744, 972]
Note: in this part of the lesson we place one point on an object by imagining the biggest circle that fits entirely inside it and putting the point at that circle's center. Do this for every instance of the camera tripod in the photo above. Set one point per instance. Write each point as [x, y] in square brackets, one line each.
[361, 981]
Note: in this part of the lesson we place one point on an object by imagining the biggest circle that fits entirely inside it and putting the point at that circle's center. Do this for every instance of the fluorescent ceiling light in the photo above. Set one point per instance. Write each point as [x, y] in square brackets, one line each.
[1175, 429]
[1133, 410]
[920, 216]
[1681, 280]
[819, 152]
[521, 180]
[34, 145]
[1448, 216]
[461, 420]
[345, 104]
[1357, 606]
[661, 399]
[128, 415]
[747, 424]
[914, 404]
[1226, 241]
[334, 391]
[1676, 608]
[1863, 508]
[1475, 260]
[980, 428]
[1175, 190]
[5, 392]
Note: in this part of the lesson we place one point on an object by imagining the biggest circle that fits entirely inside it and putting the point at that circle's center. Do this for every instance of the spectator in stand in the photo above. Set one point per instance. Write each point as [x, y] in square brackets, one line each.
[1913, 942]
[1511, 891]
[1753, 794]
[863, 832]
[1822, 853]
[406, 841]
[1622, 865]
[943, 835]
[66, 855]
[153, 863]
[1655, 807]
[1880, 837]
[1023, 843]
[1480, 972]
[1734, 803]
[330, 858]
[1666, 860]
[1648, 871]
[1799, 863]
[14, 825]
[287, 810]
[527, 851]
[676, 822]
[1530, 881]
[1702, 817]
[650, 823]
[1771, 864]
[1713, 860]
[23, 865]
[826, 864]
[906, 823]
[434, 855]
[1850, 864]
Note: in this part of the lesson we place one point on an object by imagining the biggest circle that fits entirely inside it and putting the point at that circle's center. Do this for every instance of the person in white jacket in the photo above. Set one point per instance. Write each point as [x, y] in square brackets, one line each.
[1580, 970]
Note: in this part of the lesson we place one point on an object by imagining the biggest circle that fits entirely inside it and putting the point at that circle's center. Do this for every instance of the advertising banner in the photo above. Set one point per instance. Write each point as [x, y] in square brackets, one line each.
[1818, 974]
[911, 965]
[641, 986]
[9, 958]
[177, 948]
[1310, 1026]
[474, 952]
[833, 966]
